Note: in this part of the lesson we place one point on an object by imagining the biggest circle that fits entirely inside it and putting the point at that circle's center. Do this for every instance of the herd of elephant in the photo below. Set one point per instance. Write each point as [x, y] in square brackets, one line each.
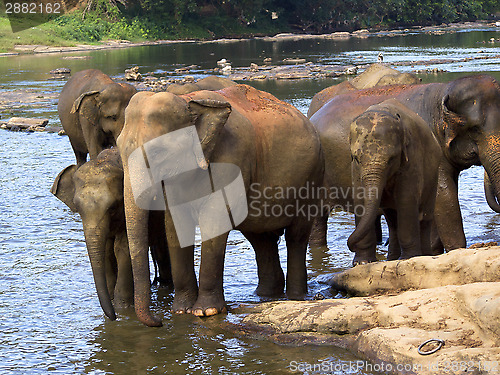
[389, 144]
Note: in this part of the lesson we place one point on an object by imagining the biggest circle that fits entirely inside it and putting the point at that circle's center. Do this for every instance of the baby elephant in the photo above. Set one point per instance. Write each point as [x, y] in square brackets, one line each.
[395, 160]
[95, 191]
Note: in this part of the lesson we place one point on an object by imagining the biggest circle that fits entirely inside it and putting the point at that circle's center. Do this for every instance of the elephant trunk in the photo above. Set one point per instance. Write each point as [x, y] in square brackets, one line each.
[490, 194]
[491, 162]
[137, 232]
[95, 238]
[373, 184]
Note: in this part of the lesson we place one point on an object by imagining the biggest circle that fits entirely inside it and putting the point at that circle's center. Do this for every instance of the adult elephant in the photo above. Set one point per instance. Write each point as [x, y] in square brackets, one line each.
[91, 109]
[464, 116]
[212, 83]
[243, 132]
[95, 191]
[374, 75]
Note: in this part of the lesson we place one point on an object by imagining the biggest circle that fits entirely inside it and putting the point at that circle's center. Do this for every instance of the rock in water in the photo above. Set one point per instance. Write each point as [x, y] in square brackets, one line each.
[133, 74]
[60, 71]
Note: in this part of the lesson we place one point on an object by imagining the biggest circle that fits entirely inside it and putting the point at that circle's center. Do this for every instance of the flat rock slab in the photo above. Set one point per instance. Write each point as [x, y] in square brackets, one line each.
[25, 123]
[459, 267]
[26, 98]
[388, 329]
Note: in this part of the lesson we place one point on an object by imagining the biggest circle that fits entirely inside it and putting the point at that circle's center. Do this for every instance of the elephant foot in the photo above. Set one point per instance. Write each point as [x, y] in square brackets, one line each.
[273, 288]
[296, 291]
[163, 283]
[209, 306]
[296, 295]
[183, 302]
[408, 255]
[269, 291]
[360, 259]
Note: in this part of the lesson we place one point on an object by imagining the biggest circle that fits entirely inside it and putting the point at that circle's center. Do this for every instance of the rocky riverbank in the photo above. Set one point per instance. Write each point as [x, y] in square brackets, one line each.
[364, 33]
[452, 299]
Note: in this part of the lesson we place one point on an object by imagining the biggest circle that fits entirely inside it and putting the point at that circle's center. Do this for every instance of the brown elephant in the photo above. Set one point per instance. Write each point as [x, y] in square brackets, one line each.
[464, 116]
[374, 75]
[239, 131]
[395, 160]
[212, 83]
[91, 109]
[95, 191]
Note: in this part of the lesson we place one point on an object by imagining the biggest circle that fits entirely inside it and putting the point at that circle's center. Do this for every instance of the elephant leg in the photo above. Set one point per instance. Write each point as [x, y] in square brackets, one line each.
[425, 237]
[317, 239]
[81, 158]
[159, 249]
[183, 275]
[378, 229]
[271, 277]
[408, 229]
[366, 249]
[447, 210]
[124, 288]
[436, 244]
[110, 267]
[394, 251]
[297, 236]
[211, 294]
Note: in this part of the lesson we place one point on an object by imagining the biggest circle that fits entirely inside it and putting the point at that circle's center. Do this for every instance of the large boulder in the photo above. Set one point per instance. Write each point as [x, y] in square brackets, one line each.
[457, 300]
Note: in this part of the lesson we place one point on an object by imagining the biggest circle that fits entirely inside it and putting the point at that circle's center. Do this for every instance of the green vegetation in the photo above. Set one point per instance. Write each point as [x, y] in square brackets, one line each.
[138, 20]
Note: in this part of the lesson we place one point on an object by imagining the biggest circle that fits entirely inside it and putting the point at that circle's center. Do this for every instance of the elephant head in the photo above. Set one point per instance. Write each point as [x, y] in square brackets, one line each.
[105, 108]
[470, 127]
[95, 191]
[148, 117]
[379, 149]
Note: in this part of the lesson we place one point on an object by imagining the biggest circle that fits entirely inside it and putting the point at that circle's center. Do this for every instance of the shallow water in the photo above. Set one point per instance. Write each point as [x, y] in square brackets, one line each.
[51, 319]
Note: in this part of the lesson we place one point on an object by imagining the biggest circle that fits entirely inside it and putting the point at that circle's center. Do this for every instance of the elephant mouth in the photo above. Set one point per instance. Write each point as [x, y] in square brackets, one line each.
[466, 153]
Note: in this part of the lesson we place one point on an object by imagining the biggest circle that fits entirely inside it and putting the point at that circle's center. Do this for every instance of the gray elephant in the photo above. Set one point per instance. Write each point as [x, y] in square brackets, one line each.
[95, 191]
[266, 145]
[395, 160]
[374, 75]
[463, 116]
[91, 109]
[212, 83]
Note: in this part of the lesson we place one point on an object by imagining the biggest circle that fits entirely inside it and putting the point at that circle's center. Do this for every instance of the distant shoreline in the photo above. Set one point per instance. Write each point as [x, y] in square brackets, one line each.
[364, 33]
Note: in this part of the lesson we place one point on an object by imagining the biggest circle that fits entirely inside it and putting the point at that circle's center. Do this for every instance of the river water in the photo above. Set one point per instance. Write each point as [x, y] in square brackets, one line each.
[51, 320]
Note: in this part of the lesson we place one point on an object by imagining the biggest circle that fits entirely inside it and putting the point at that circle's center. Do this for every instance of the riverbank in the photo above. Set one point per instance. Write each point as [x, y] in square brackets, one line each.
[451, 301]
[20, 49]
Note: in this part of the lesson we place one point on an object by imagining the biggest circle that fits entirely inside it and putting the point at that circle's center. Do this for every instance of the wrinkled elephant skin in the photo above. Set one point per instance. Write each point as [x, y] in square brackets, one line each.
[395, 160]
[91, 109]
[95, 191]
[464, 116]
[271, 143]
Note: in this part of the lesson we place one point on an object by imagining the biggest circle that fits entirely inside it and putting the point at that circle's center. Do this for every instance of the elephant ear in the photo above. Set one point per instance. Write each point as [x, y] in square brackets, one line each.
[210, 117]
[453, 123]
[64, 187]
[78, 102]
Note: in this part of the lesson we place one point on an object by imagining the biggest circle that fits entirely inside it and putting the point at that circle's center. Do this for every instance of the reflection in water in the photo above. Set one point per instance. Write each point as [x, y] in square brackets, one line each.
[51, 319]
